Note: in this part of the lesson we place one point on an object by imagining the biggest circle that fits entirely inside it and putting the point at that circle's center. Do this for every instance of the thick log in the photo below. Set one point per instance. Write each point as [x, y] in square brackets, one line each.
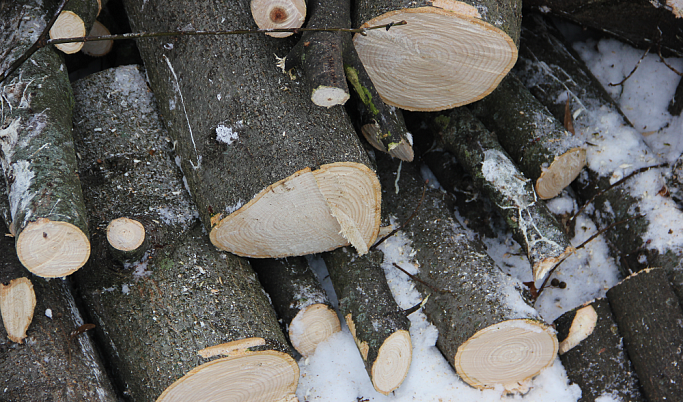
[271, 176]
[592, 353]
[449, 54]
[101, 47]
[649, 317]
[641, 23]
[75, 21]
[38, 160]
[278, 14]
[560, 80]
[543, 149]
[487, 330]
[299, 300]
[194, 325]
[533, 226]
[378, 325]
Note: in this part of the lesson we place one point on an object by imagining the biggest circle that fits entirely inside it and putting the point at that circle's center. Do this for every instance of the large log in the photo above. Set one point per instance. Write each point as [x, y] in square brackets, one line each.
[449, 54]
[47, 215]
[487, 330]
[271, 176]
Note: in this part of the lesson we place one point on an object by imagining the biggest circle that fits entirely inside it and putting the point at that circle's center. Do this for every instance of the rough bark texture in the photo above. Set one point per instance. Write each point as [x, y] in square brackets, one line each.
[428, 64]
[649, 317]
[533, 225]
[637, 22]
[38, 159]
[537, 142]
[51, 365]
[154, 318]
[374, 318]
[599, 364]
[468, 293]
[239, 125]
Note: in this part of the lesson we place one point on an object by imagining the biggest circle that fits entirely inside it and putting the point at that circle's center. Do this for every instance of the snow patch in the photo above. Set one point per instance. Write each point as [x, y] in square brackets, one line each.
[228, 135]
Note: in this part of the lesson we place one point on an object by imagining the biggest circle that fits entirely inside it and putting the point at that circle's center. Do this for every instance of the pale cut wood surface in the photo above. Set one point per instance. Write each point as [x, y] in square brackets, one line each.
[274, 14]
[68, 25]
[125, 234]
[17, 303]
[320, 321]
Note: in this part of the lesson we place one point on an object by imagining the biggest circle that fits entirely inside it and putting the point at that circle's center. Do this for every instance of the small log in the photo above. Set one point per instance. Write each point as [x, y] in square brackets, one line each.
[543, 149]
[101, 47]
[194, 326]
[127, 239]
[487, 330]
[592, 353]
[75, 20]
[478, 151]
[278, 14]
[649, 317]
[271, 177]
[299, 300]
[449, 54]
[38, 160]
[379, 326]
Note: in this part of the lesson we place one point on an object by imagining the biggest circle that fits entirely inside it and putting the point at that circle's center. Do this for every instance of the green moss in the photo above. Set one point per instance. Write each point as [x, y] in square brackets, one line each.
[442, 121]
[363, 93]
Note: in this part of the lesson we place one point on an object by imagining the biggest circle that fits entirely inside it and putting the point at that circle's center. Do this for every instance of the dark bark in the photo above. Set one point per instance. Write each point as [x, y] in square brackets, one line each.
[676, 104]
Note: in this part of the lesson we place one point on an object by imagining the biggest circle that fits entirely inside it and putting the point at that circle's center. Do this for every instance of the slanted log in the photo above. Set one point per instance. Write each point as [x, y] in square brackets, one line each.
[593, 354]
[378, 325]
[488, 331]
[75, 21]
[449, 54]
[649, 317]
[299, 300]
[47, 215]
[271, 176]
[278, 14]
[533, 226]
[192, 324]
[543, 149]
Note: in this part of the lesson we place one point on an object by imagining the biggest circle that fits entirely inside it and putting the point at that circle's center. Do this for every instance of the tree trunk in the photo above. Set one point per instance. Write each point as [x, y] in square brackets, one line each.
[487, 329]
[278, 14]
[593, 354]
[299, 300]
[257, 149]
[38, 160]
[450, 53]
[192, 325]
[378, 325]
[533, 225]
[649, 317]
[547, 153]
[75, 21]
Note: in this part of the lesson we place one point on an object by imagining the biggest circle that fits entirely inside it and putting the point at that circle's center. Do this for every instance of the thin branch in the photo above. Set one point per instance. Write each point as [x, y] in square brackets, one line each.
[416, 307]
[393, 232]
[416, 279]
[634, 69]
[659, 52]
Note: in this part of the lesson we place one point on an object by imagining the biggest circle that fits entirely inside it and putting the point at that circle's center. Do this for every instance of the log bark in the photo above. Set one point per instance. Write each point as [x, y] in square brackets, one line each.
[133, 188]
[593, 354]
[75, 21]
[472, 303]
[250, 145]
[556, 76]
[543, 149]
[649, 316]
[277, 14]
[38, 160]
[449, 54]
[379, 326]
[193, 323]
[532, 224]
[641, 23]
[299, 300]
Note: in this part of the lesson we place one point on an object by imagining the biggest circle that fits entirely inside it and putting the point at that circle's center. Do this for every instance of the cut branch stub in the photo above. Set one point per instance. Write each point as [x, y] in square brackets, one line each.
[447, 55]
[127, 239]
[276, 14]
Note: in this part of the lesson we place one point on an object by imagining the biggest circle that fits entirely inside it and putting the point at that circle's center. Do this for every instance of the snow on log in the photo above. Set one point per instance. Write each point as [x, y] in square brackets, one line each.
[649, 317]
[278, 14]
[75, 20]
[534, 227]
[101, 47]
[592, 352]
[38, 160]
[543, 149]
[191, 324]
[487, 330]
[449, 54]
[299, 300]
[378, 325]
[271, 176]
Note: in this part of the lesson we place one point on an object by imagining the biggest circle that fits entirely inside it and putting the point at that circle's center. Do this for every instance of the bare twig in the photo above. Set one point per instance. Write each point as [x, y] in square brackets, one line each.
[634, 69]
[416, 307]
[393, 232]
[416, 279]
[659, 52]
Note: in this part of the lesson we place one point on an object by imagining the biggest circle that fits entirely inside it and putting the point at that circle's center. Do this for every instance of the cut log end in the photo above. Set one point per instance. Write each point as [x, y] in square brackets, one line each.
[564, 169]
[311, 326]
[334, 206]
[582, 326]
[439, 60]
[125, 234]
[392, 363]
[256, 376]
[277, 14]
[402, 150]
[101, 47]
[329, 96]
[52, 249]
[509, 353]
[68, 25]
[17, 303]
[543, 267]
